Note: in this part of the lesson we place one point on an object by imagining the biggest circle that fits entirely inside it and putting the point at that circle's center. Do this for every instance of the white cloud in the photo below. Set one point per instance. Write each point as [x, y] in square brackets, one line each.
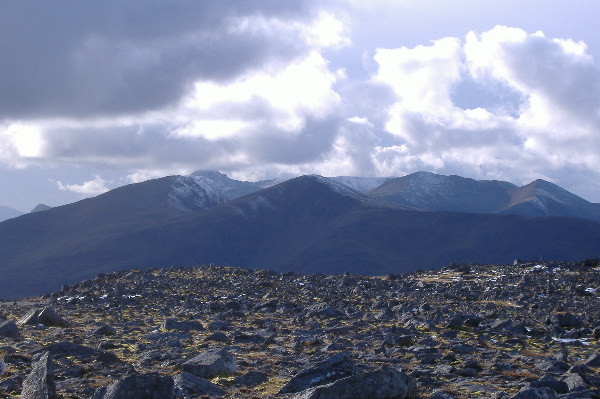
[536, 105]
[89, 188]
[280, 97]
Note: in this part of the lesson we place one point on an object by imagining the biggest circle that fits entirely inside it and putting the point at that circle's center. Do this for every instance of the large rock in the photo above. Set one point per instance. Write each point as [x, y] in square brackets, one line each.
[385, 383]
[46, 316]
[536, 393]
[574, 381]
[192, 386]
[593, 360]
[188, 325]
[336, 367]
[211, 363]
[565, 320]
[39, 384]
[139, 386]
[9, 329]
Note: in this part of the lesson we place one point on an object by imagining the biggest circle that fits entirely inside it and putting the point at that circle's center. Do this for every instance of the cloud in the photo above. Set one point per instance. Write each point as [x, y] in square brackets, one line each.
[89, 188]
[504, 103]
[108, 57]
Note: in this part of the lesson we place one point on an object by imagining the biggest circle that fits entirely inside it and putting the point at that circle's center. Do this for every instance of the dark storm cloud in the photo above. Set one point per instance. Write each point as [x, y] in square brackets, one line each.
[104, 57]
[130, 147]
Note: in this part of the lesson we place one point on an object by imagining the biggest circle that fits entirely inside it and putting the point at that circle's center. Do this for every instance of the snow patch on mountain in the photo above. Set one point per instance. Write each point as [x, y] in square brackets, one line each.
[338, 187]
[362, 184]
[232, 189]
[193, 193]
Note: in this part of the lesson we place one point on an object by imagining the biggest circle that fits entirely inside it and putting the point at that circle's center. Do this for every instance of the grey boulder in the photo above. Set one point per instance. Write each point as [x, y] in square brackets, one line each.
[139, 386]
[211, 363]
[39, 384]
[9, 329]
[385, 383]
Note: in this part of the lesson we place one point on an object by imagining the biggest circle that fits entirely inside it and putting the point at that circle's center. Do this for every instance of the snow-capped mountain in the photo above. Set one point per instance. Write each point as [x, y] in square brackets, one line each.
[193, 193]
[433, 192]
[362, 184]
[230, 188]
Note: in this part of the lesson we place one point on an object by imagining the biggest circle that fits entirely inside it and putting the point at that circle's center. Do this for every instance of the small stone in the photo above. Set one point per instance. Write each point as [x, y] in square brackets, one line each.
[105, 330]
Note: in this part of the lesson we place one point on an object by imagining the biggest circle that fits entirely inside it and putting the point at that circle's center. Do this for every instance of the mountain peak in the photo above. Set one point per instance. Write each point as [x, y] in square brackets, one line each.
[193, 193]
[213, 175]
[40, 208]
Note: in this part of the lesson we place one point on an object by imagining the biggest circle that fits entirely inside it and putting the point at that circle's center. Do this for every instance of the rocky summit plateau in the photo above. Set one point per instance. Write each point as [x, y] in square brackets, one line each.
[524, 330]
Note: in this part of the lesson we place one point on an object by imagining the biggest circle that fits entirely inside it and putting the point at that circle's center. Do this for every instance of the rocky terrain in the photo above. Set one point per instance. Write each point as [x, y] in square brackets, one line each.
[528, 330]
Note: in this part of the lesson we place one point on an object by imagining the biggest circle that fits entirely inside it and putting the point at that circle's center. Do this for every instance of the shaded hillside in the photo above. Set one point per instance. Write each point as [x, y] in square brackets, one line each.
[42, 249]
[307, 224]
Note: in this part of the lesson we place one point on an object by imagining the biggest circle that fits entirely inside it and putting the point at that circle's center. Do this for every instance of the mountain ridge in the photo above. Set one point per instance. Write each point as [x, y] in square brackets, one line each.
[305, 224]
[429, 191]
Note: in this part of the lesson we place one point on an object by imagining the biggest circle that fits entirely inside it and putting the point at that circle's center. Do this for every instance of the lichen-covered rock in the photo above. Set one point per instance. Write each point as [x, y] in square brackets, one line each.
[211, 363]
[39, 384]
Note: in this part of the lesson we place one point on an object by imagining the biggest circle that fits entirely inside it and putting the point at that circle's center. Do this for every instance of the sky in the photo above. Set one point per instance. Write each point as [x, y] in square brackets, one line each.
[98, 94]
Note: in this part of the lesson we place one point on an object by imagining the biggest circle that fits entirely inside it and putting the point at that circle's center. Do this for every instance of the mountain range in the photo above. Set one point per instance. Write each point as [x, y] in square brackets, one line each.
[306, 224]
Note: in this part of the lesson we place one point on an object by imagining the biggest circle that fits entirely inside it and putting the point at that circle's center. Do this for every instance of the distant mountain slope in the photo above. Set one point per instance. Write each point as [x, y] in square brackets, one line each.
[542, 198]
[433, 192]
[308, 224]
[40, 208]
[8, 213]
